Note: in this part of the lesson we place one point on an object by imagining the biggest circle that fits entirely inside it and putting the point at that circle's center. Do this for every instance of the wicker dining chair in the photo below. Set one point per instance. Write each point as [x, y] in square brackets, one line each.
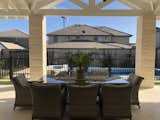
[135, 82]
[116, 101]
[48, 101]
[23, 96]
[82, 101]
[22, 92]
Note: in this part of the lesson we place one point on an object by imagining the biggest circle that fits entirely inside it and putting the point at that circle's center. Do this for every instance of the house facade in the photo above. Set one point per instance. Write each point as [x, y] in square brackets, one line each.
[98, 41]
[88, 33]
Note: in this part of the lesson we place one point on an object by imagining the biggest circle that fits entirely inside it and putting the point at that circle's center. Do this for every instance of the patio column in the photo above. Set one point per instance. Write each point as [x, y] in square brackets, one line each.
[37, 47]
[145, 49]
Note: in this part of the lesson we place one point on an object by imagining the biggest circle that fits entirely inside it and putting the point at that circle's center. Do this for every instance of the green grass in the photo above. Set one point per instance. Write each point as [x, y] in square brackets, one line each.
[5, 83]
[157, 83]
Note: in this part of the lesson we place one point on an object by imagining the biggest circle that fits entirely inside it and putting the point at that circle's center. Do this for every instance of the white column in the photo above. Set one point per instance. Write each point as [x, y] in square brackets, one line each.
[145, 49]
[37, 47]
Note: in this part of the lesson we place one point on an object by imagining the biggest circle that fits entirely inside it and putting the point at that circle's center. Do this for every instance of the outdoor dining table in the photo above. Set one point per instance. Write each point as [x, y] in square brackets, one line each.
[116, 81]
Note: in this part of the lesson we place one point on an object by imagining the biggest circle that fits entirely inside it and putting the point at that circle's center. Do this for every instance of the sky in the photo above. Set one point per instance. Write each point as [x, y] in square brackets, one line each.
[125, 24]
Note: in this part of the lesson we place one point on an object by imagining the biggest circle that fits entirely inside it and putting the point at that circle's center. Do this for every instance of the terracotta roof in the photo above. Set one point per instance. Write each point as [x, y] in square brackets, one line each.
[87, 45]
[9, 45]
[13, 34]
[88, 30]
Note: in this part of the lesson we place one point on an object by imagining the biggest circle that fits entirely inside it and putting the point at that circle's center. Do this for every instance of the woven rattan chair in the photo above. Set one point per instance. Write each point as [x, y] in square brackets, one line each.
[135, 82]
[22, 90]
[116, 101]
[48, 101]
[83, 104]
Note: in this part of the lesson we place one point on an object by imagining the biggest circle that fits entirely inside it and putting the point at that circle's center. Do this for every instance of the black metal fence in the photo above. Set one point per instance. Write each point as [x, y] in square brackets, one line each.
[4, 67]
[13, 63]
[120, 60]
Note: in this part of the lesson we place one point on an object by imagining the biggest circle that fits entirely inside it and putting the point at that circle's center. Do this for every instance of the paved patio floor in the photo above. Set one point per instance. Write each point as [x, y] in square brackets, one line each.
[150, 105]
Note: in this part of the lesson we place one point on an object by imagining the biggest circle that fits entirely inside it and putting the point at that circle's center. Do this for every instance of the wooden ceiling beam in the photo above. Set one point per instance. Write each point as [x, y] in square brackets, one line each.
[57, 12]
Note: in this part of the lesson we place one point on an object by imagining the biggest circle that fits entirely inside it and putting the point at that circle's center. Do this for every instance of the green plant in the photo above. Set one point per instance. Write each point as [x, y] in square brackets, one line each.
[81, 61]
[70, 61]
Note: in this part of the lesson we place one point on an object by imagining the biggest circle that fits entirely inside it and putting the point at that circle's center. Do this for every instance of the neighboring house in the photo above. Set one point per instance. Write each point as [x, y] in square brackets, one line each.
[84, 38]
[15, 36]
[7, 46]
[89, 33]
[10, 46]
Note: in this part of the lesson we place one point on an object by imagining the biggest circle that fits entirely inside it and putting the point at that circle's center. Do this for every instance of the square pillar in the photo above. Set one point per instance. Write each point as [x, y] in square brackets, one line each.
[37, 47]
[145, 49]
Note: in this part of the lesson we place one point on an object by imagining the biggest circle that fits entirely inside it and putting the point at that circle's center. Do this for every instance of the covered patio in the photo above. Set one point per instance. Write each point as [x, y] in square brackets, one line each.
[36, 10]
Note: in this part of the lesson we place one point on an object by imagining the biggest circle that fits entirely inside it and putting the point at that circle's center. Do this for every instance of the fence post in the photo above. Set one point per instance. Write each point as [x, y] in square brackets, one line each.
[10, 65]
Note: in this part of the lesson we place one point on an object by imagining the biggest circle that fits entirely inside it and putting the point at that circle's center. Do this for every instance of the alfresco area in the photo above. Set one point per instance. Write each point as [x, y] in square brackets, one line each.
[84, 90]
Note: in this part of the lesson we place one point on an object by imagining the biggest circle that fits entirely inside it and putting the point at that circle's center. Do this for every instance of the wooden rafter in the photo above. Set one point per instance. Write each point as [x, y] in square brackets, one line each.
[34, 4]
[46, 3]
[14, 12]
[13, 4]
[23, 7]
[27, 4]
[157, 6]
[92, 4]
[137, 4]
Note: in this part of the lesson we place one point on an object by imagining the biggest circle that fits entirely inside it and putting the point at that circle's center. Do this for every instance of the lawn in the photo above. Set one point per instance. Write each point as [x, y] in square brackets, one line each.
[5, 82]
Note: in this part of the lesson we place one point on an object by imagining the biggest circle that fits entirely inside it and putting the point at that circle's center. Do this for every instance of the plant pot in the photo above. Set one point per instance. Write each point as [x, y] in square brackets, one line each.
[80, 75]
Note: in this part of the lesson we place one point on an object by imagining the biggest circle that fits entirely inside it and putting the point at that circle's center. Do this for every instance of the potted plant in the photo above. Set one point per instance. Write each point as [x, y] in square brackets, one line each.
[81, 61]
